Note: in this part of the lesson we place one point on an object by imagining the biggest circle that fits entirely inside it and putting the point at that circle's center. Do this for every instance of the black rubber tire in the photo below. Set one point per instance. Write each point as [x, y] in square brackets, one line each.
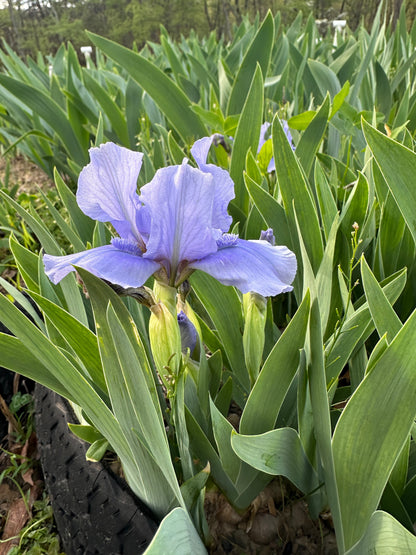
[95, 513]
[7, 377]
[6, 391]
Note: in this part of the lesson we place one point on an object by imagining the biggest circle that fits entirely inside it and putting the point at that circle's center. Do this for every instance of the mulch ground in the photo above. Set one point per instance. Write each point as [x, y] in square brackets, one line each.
[21, 481]
[20, 471]
[276, 523]
[23, 173]
[16, 510]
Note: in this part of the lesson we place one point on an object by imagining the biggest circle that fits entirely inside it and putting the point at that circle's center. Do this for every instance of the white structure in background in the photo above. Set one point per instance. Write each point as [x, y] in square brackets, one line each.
[339, 25]
[87, 51]
[50, 70]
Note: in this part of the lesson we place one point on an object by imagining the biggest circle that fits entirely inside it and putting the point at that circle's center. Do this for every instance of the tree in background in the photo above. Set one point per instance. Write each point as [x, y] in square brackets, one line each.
[29, 26]
[357, 11]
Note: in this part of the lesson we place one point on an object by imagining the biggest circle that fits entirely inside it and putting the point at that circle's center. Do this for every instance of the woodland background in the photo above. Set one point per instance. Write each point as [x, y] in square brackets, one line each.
[31, 26]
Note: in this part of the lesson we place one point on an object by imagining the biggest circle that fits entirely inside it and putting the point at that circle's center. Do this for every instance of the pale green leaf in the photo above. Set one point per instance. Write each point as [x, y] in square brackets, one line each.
[247, 137]
[277, 452]
[176, 535]
[167, 95]
[321, 415]
[398, 166]
[258, 53]
[384, 536]
[296, 193]
[372, 430]
[269, 391]
[384, 317]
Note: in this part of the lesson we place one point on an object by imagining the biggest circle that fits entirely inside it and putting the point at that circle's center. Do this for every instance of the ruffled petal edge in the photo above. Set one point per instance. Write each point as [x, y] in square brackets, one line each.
[252, 266]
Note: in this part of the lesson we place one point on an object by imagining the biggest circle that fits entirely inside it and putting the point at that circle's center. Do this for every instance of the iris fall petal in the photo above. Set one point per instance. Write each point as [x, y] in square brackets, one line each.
[107, 262]
[252, 266]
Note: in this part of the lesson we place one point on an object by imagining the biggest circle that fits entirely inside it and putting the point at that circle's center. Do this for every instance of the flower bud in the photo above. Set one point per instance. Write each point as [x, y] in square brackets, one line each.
[255, 311]
[186, 309]
[165, 337]
[267, 235]
[188, 333]
[165, 294]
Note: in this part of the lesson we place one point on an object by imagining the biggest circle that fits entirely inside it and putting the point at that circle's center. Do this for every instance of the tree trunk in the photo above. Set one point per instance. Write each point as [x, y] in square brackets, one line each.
[397, 4]
[227, 27]
[16, 26]
[207, 14]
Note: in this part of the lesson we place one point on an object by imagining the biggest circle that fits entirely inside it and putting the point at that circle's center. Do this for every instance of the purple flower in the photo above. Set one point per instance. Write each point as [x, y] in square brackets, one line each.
[188, 332]
[263, 131]
[177, 225]
[267, 235]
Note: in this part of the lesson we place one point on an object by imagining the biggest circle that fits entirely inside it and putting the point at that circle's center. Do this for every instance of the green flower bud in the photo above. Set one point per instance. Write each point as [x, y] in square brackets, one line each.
[255, 310]
[165, 294]
[165, 337]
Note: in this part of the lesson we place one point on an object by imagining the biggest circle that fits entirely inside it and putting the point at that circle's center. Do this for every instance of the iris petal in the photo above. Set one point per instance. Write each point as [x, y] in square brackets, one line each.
[188, 332]
[263, 130]
[178, 222]
[252, 266]
[107, 188]
[224, 185]
[180, 201]
[107, 262]
[288, 133]
[200, 149]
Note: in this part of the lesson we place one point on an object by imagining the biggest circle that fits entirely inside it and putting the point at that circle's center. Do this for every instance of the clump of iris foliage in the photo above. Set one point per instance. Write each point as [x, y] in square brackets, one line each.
[339, 194]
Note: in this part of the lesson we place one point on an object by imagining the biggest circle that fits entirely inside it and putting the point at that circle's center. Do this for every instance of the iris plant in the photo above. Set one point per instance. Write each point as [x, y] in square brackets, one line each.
[263, 132]
[177, 224]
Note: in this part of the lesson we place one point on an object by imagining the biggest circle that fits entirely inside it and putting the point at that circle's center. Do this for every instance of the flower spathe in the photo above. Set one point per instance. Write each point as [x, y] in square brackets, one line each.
[177, 224]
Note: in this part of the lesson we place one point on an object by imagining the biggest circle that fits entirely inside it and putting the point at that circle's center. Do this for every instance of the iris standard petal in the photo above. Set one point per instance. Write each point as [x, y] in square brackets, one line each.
[286, 129]
[107, 262]
[272, 166]
[107, 188]
[200, 149]
[251, 266]
[263, 130]
[180, 201]
[224, 185]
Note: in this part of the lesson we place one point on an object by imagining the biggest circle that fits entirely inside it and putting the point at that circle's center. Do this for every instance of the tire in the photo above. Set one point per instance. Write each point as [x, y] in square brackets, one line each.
[6, 391]
[7, 376]
[95, 512]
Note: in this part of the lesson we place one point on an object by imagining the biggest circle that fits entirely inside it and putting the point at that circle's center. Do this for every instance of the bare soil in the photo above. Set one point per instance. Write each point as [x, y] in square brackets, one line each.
[15, 511]
[21, 481]
[29, 178]
[276, 523]
[24, 173]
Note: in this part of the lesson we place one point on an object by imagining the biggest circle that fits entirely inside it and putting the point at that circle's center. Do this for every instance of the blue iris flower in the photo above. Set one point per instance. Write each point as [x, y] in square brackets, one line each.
[263, 132]
[177, 224]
